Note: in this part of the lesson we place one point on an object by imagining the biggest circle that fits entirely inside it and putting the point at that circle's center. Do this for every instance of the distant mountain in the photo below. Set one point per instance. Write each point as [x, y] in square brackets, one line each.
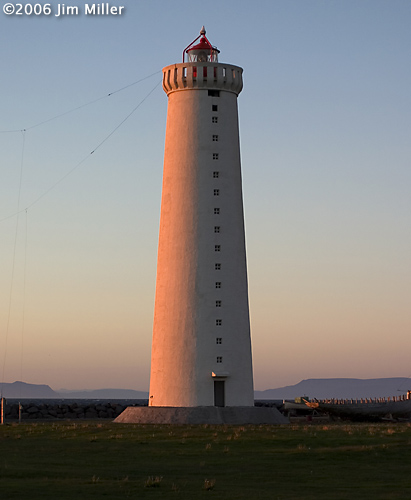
[314, 388]
[343, 388]
[104, 394]
[22, 390]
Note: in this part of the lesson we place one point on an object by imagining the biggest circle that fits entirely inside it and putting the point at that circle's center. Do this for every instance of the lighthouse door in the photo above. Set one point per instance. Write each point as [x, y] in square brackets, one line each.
[219, 396]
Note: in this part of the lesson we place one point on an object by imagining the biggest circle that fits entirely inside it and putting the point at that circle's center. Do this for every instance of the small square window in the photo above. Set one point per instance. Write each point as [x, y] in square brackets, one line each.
[217, 248]
[218, 322]
[216, 175]
[218, 303]
[218, 340]
[216, 211]
[216, 229]
[214, 119]
[214, 107]
[214, 93]
[218, 284]
[215, 156]
[216, 192]
[217, 267]
[219, 359]
[215, 138]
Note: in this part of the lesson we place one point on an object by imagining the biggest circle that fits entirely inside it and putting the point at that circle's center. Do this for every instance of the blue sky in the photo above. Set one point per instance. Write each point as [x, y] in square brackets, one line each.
[325, 144]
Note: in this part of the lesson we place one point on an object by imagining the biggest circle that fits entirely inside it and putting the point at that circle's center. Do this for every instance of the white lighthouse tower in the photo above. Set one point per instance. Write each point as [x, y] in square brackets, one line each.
[201, 363]
[201, 351]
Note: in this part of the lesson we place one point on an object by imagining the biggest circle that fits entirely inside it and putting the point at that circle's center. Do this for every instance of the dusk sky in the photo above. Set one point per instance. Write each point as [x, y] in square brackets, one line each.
[325, 124]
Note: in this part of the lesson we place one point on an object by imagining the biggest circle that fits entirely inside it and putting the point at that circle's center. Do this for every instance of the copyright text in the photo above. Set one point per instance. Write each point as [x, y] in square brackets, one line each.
[62, 10]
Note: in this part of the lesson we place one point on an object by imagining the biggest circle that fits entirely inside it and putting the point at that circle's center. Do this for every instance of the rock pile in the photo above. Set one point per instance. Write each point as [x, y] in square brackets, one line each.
[30, 411]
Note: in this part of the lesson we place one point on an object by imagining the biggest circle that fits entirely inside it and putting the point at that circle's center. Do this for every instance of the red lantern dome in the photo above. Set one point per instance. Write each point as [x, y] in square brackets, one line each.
[203, 51]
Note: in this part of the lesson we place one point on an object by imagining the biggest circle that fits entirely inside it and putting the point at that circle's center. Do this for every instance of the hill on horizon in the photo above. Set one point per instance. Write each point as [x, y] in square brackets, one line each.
[23, 390]
[104, 394]
[342, 388]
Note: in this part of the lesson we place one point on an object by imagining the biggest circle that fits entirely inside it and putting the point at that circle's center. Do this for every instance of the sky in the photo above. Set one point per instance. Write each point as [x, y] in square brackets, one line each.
[325, 146]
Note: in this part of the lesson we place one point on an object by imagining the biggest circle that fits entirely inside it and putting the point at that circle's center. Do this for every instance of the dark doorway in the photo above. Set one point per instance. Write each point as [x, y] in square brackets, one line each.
[219, 396]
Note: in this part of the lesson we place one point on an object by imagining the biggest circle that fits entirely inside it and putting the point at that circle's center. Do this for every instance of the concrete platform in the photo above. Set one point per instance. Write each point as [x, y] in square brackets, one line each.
[234, 415]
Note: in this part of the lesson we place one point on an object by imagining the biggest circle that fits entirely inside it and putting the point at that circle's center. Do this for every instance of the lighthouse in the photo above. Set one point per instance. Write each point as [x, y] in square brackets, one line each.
[201, 362]
[201, 349]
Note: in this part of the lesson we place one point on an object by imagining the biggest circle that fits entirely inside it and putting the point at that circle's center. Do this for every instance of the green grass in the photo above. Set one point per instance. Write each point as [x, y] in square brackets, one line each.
[89, 460]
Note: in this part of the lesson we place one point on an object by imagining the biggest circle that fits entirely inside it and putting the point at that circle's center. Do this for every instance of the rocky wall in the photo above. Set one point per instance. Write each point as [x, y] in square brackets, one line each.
[33, 411]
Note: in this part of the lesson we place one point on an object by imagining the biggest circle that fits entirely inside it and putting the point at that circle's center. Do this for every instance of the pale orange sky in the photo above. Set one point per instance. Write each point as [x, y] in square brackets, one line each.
[325, 127]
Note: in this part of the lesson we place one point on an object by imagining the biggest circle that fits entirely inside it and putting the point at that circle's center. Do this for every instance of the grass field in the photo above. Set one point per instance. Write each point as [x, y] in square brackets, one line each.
[89, 460]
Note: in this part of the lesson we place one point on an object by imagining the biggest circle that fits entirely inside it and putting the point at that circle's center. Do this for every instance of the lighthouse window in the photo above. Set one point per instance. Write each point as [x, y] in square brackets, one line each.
[214, 93]
[214, 119]
[218, 303]
[214, 107]
[215, 138]
[218, 322]
[215, 175]
[218, 284]
[219, 359]
[218, 340]
[216, 192]
[216, 229]
[215, 156]
[217, 267]
[217, 248]
[216, 211]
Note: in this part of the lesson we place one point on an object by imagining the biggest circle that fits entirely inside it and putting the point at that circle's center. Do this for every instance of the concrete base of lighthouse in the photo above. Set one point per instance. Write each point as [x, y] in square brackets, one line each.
[212, 415]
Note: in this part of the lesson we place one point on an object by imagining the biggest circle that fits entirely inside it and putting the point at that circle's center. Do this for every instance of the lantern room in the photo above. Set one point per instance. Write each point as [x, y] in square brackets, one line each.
[202, 51]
